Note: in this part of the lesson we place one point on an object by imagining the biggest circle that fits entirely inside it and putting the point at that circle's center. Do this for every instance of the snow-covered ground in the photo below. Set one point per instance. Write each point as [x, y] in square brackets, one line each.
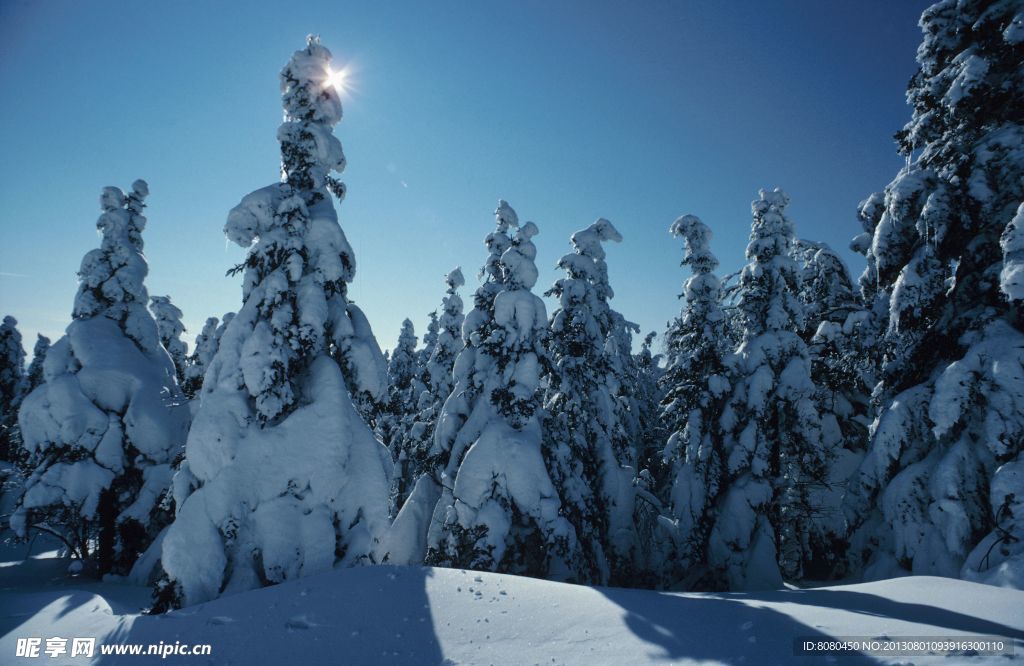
[420, 615]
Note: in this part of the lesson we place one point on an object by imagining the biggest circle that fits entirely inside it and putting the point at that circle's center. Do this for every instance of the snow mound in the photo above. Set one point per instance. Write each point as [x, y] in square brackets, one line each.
[413, 615]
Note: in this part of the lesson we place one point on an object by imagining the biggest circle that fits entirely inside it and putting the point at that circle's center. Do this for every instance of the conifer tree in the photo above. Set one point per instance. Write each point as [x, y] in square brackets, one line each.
[773, 451]
[459, 403]
[438, 376]
[582, 409]
[933, 495]
[434, 384]
[403, 388]
[650, 481]
[12, 364]
[421, 465]
[207, 344]
[695, 383]
[583, 412]
[396, 422]
[103, 427]
[402, 364]
[499, 510]
[627, 438]
[289, 480]
[34, 375]
[169, 328]
[429, 344]
[13, 385]
[199, 360]
[649, 395]
[825, 288]
[838, 331]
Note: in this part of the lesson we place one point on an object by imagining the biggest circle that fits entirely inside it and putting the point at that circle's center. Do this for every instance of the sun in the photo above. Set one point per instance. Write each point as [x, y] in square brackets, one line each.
[340, 79]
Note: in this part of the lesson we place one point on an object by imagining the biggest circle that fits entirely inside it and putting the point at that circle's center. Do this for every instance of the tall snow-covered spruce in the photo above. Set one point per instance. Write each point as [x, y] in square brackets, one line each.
[399, 412]
[429, 344]
[582, 414]
[434, 383]
[402, 364]
[695, 384]
[773, 450]
[499, 510]
[13, 384]
[437, 374]
[403, 388]
[102, 429]
[34, 374]
[289, 478]
[839, 336]
[205, 350]
[422, 464]
[652, 539]
[169, 328]
[939, 490]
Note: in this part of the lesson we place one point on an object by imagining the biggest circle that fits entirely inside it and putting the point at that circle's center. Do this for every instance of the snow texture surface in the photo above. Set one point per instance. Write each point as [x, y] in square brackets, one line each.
[400, 615]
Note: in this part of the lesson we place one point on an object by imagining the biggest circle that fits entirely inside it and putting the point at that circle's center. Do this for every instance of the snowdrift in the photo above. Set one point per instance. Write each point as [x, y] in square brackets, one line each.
[420, 615]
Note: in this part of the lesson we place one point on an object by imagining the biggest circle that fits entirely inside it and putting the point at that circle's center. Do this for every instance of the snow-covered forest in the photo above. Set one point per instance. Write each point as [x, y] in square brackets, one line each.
[802, 427]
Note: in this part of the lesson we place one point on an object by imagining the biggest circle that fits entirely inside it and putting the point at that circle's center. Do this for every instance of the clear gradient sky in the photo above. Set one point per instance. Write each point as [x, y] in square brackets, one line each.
[634, 111]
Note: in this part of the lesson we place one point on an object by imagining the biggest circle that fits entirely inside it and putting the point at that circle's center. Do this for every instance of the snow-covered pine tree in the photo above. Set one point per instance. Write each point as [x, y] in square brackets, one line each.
[438, 377]
[999, 556]
[429, 344]
[654, 540]
[407, 538]
[199, 360]
[169, 328]
[934, 493]
[582, 408]
[627, 433]
[207, 343]
[289, 480]
[402, 364]
[12, 364]
[403, 387]
[695, 383]
[499, 510]
[34, 375]
[837, 328]
[627, 437]
[648, 395]
[461, 400]
[825, 288]
[434, 377]
[13, 385]
[838, 331]
[400, 410]
[773, 450]
[108, 419]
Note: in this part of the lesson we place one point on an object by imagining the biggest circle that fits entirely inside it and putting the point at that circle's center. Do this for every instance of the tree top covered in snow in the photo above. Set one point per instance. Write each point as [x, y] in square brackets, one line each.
[111, 276]
[697, 243]
[454, 280]
[769, 282]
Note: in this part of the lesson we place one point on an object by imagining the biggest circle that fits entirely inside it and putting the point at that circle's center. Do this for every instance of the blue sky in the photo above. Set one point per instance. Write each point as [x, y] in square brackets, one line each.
[634, 111]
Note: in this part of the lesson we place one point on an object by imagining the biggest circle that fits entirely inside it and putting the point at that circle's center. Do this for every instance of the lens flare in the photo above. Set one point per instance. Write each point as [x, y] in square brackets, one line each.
[340, 79]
